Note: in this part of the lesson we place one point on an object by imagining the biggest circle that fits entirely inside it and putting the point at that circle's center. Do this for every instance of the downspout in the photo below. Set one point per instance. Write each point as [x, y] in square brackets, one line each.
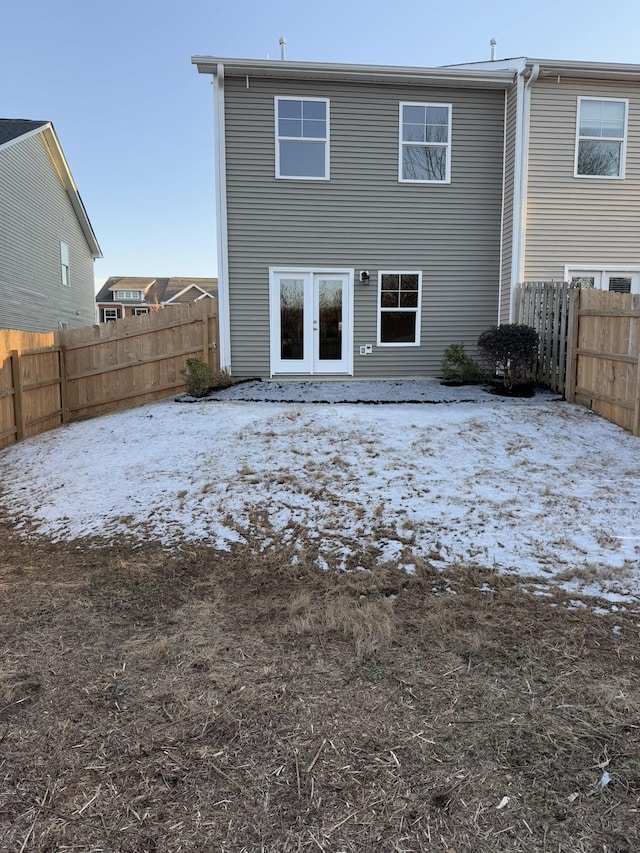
[523, 122]
[224, 320]
[504, 186]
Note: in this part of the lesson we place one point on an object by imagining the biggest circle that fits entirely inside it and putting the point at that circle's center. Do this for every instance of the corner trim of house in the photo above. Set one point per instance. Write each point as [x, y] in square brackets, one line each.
[224, 318]
[521, 182]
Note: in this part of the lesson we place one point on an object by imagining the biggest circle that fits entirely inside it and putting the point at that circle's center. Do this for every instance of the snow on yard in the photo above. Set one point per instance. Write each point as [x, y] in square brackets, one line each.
[532, 487]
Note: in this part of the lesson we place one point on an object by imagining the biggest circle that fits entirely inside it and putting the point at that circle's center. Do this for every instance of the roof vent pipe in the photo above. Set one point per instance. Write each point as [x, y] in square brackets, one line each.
[283, 47]
[493, 44]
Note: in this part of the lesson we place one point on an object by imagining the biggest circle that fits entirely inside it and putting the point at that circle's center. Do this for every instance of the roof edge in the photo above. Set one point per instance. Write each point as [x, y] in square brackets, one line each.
[64, 172]
[445, 76]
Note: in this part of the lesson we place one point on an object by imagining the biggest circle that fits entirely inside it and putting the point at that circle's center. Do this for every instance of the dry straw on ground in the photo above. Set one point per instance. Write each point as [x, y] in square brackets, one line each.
[197, 701]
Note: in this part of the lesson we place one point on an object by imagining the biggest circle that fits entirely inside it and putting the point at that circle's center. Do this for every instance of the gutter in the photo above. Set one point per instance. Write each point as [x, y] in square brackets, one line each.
[393, 74]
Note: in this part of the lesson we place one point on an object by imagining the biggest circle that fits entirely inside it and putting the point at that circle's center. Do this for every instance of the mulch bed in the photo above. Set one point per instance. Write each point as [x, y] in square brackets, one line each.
[246, 701]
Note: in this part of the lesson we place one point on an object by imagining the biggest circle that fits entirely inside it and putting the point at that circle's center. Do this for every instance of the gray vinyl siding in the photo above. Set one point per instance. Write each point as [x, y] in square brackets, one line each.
[363, 218]
[578, 220]
[36, 215]
[509, 190]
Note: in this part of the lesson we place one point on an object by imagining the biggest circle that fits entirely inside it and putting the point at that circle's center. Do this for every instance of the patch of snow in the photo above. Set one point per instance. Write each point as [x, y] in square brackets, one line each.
[527, 487]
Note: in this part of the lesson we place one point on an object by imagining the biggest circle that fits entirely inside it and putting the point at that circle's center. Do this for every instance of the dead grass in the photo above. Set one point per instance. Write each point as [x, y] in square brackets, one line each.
[245, 701]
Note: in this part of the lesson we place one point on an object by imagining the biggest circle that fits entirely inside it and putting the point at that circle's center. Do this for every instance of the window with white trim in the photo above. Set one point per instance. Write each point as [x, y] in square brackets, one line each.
[302, 138]
[110, 314]
[129, 294]
[615, 279]
[425, 143]
[399, 298]
[601, 136]
[65, 270]
[138, 312]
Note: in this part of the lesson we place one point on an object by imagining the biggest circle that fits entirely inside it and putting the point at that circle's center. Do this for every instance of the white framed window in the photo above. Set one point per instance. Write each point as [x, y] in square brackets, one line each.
[399, 300]
[65, 270]
[615, 278]
[601, 137]
[129, 294]
[110, 314]
[138, 312]
[425, 143]
[302, 138]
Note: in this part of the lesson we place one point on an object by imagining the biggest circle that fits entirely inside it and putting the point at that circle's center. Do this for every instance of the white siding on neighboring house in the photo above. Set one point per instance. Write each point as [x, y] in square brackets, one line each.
[578, 221]
[36, 217]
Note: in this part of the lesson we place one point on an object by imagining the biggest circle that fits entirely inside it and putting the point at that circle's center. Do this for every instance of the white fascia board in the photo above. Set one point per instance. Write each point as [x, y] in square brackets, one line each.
[184, 290]
[465, 77]
[61, 166]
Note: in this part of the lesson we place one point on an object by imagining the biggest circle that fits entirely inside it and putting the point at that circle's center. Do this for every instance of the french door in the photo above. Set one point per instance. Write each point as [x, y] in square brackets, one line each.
[311, 322]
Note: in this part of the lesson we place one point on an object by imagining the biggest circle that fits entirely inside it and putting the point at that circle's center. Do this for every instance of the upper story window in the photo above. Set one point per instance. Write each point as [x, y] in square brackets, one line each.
[302, 138]
[601, 137]
[425, 143]
[129, 294]
[65, 270]
[399, 297]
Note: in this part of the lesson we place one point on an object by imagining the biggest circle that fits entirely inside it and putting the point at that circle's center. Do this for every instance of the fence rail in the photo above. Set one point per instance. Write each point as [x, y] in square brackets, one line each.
[57, 377]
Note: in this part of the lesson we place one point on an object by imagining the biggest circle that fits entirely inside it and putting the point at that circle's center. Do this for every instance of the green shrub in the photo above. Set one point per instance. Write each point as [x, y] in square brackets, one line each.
[197, 377]
[457, 366]
[513, 349]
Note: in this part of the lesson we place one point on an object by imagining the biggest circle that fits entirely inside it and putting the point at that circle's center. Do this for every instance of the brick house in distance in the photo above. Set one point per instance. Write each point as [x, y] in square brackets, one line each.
[126, 296]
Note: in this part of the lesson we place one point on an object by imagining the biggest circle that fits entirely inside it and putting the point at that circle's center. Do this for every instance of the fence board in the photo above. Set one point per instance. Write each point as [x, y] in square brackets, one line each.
[608, 356]
[546, 307]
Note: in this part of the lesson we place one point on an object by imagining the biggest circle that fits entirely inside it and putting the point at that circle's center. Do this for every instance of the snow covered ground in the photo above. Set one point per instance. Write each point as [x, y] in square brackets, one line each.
[535, 487]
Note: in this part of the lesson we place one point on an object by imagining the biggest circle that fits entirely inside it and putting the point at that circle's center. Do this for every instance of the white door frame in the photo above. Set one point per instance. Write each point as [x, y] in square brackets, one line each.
[308, 365]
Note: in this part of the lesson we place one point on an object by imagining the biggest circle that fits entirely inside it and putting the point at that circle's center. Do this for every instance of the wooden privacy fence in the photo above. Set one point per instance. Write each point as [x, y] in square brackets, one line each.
[548, 307]
[50, 379]
[589, 346]
[605, 356]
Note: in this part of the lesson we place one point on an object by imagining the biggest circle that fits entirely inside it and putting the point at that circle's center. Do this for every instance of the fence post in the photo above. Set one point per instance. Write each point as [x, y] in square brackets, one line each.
[635, 426]
[572, 344]
[16, 377]
[62, 370]
[205, 340]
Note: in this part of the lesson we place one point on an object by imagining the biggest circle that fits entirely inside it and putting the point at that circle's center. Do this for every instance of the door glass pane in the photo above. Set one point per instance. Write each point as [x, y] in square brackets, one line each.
[291, 319]
[330, 320]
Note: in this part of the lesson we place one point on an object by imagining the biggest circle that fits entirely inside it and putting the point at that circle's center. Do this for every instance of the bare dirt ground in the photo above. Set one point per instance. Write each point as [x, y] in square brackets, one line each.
[204, 701]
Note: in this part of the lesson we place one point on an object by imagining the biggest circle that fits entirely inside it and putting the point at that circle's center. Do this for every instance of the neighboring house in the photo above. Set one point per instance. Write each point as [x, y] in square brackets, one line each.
[47, 244]
[369, 216]
[130, 296]
[572, 177]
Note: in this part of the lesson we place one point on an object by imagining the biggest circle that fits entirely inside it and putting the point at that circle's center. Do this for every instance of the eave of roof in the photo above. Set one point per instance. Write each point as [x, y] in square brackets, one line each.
[64, 172]
[586, 70]
[389, 74]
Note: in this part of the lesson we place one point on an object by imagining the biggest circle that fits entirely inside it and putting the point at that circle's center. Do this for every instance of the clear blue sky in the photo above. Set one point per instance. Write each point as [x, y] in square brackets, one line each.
[135, 119]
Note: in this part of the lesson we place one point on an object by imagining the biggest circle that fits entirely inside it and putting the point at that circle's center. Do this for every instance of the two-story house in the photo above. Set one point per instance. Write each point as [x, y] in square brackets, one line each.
[131, 296]
[47, 244]
[368, 216]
